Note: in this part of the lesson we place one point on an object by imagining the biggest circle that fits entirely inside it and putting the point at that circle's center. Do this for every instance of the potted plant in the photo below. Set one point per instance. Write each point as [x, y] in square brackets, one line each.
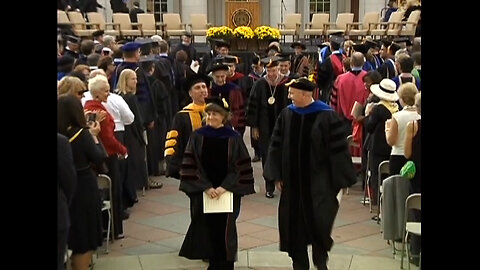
[242, 35]
[220, 32]
[265, 34]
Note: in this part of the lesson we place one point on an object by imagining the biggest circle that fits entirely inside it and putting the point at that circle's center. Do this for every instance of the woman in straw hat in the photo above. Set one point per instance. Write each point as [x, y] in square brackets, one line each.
[376, 115]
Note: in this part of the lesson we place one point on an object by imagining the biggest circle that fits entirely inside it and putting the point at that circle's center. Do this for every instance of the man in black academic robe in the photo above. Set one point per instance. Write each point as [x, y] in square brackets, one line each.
[310, 161]
[261, 115]
[184, 123]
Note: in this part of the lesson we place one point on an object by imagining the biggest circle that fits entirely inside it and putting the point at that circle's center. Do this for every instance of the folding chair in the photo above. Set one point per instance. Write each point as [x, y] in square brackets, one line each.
[414, 201]
[340, 24]
[199, 25]
[149, 26]
[396, 189]
[105, 184]
[173, 25]
[316, 27]
[292, 25]
[97, 17]
[363, 28]
[82, 28]
[125, 25]
[383, 168]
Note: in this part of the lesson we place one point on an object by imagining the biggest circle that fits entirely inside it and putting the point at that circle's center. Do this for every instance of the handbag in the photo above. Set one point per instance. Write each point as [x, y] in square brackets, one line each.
[408, 170]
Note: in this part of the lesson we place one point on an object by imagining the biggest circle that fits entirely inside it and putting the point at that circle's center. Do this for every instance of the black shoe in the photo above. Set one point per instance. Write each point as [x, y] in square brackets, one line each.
[256, 159]
[269, 195]
[120, 236]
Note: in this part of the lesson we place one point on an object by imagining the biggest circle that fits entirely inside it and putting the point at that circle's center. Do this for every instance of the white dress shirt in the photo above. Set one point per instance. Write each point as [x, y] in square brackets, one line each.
[117, 107]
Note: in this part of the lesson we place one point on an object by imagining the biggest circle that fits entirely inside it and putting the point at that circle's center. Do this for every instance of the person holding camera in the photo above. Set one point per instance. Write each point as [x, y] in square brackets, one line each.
[85, 233]
[99, 89]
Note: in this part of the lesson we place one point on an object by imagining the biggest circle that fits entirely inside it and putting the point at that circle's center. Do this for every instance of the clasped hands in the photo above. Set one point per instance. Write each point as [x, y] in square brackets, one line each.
[215, 193]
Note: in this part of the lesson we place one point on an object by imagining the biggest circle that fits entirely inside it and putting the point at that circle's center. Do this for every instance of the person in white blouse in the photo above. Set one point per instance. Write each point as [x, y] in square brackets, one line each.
[395, 127]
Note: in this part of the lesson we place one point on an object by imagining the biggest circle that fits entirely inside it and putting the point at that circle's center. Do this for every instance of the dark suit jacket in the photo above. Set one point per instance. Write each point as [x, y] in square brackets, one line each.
[66, 181]
[133, 14]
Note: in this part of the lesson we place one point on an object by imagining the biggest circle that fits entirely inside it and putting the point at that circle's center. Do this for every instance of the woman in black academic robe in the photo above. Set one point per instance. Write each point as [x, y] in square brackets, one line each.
[136, 173]
[215, 160]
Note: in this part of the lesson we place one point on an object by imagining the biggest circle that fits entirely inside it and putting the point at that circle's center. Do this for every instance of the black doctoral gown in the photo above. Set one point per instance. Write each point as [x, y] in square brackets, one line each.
[212, 158]
[262, 115]
[309, 153]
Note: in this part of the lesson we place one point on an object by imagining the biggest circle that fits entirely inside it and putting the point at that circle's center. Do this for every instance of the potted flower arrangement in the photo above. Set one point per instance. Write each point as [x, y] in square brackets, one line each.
[223, 32]
[243, 34]
[265, 34]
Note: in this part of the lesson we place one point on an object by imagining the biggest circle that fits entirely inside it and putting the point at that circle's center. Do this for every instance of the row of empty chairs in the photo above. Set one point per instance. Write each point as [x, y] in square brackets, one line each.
[173, 26]
[370, 26]
[122, 26]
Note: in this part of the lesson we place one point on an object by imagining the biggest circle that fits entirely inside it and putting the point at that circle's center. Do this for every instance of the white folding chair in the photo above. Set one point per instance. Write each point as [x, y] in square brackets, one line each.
[383, 168]
[105, 183]
[414, 201]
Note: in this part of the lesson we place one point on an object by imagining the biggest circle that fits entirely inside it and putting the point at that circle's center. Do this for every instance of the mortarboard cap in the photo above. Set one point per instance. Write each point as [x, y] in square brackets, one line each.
[270, 61]
[295, 44]
[98, 33]
[337, 40]
[73, 39]
[302, 84]
[220, 42]
[324, 44]
[393, 48]
[144, 41]
[131, 46]
[386, 42]
[256, 59]
[372, 43]
[230, 59]
[363, 48]
[222, 103]
[147, 58]
[196, 78]
[218, 59]
[283, 57]
[217, 67]
[338, 34]
[407, 41]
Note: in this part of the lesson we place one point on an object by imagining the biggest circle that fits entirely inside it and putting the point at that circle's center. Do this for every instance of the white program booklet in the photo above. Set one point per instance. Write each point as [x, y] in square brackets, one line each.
[224, 204]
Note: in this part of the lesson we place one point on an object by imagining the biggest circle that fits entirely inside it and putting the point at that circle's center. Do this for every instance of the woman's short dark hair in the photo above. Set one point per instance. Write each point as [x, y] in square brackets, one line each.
[374, 76]
[216, 108]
